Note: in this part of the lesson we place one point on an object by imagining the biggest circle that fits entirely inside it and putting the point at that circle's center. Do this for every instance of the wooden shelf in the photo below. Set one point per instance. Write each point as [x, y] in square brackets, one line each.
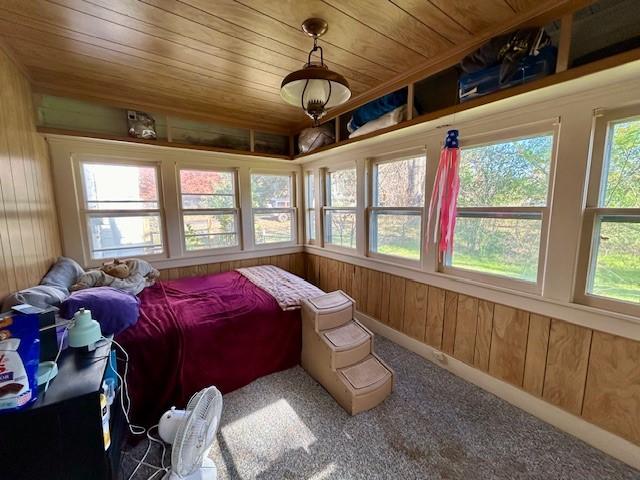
[160, 143]
[554, 79]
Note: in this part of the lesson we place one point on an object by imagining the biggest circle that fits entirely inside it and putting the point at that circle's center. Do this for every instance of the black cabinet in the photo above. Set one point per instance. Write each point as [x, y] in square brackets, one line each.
[60, 437]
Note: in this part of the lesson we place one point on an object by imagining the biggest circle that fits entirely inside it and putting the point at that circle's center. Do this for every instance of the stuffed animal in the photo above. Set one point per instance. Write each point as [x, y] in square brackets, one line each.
[131, 275]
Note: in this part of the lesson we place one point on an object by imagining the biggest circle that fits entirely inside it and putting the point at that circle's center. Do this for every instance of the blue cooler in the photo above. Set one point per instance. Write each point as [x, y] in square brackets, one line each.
[485, 81]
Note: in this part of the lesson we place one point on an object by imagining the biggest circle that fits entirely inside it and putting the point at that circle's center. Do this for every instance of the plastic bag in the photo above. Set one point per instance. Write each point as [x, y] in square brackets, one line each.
[312, 138]
[19, 358]
[141, 125]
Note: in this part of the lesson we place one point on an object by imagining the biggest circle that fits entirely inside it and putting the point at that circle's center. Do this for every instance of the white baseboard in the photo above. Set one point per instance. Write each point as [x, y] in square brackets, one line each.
[609, 443]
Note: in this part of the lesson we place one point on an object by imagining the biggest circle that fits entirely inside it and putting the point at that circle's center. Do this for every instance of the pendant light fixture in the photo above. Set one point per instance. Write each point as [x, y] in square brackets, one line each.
[315, 88]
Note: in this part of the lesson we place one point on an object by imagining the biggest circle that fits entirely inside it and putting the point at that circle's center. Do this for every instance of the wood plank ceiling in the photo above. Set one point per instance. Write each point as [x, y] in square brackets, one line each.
[225, 59]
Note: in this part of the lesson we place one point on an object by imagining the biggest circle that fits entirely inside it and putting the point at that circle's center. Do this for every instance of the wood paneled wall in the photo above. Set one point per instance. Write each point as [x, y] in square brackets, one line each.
[586, 372]
[293, 263]
[29, 237]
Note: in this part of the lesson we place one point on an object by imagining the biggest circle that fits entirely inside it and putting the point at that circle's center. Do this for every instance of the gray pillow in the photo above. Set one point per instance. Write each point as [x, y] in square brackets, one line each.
[64, 273]
[41, 296]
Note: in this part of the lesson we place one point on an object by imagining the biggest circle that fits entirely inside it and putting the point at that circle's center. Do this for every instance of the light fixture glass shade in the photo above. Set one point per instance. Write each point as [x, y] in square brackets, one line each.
[322, 85]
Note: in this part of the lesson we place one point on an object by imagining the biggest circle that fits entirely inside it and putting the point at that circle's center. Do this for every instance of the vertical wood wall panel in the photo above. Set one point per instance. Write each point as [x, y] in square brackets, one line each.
[397, 287]
[333, 275]
[509, 344]
[546, 357]
[29, 236]
[435, 317]
[374, 293]
[483, 336]
[567, 361]
[465, 341]
[536, 361]
[612, 393]
[415, 309]
[450, 320]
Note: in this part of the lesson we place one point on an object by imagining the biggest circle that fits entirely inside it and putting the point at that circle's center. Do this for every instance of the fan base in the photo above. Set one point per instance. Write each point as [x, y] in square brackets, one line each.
[207, 471]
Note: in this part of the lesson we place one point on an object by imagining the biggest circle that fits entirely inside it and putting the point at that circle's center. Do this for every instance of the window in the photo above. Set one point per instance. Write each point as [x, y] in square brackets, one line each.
[273, 212]
[209, 209]
[503, 210]
[121, 209]
[612, 217]
[397, 207]
[310, 204]
[340, 211]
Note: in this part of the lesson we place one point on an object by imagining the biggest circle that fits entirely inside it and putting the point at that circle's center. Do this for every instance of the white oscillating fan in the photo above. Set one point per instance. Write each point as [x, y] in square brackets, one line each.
[192, 432]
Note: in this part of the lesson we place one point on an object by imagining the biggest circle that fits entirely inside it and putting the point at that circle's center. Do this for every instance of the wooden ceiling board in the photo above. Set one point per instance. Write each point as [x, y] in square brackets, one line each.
[31, 46]
[13, 23]
[344, 32]
[223, 19]
[55, 61]
[476, 16]
[393, 22]
[434, 18]
[225, 59]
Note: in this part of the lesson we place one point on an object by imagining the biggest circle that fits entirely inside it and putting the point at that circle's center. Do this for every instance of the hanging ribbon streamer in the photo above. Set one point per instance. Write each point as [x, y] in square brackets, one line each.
[444, 199]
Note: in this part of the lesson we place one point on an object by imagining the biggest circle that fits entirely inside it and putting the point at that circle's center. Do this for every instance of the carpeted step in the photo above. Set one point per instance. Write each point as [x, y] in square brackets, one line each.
[365, 384]
[349, 344]
[331, 310]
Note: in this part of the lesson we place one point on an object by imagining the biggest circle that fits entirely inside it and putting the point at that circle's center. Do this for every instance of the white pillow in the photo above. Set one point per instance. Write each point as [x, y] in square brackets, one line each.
[387, 120]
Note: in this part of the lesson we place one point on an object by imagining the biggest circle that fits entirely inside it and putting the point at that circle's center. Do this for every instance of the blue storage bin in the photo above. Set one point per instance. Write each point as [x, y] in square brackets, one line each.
[483, 82]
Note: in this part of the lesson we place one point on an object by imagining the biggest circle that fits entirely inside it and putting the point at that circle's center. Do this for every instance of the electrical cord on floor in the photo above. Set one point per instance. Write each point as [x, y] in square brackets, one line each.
[141, 462]
[124, 389]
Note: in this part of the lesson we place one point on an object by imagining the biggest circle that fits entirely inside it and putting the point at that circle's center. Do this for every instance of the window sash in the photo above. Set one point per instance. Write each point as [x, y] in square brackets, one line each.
[274, 211]
[515, 213]
[373, 240]
[327, 229]
[587, 257]
[87, 213]
[329, 191]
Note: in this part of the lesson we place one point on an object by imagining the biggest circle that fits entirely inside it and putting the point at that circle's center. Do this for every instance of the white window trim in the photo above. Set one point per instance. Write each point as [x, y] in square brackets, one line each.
[209, 211]
[326, 207]
[593, 211]
[372, 208]
[512, 134]
[86, 213]
[292, 210]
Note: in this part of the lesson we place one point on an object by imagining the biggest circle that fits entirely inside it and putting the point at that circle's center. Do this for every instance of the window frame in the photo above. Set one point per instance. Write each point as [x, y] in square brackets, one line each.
[327, 207]
[292, 210]
[209, 211]
[544, 212]
[593, 212]
[86, 213]
[372, 209]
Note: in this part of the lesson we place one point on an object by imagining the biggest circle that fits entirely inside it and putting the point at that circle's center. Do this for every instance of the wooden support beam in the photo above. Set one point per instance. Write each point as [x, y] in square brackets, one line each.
[564, 46]
[252, 140]
[337, 127]
[410, 99]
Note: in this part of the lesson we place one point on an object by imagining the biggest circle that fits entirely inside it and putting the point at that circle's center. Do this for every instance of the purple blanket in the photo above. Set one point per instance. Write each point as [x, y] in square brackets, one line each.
[217, 330]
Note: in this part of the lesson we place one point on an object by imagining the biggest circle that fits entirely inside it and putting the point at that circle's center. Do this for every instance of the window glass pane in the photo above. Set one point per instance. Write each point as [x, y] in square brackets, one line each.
[341, 228]
[124, 236]
[210, 231]
[396, 234]
[207, 189]
[508, 174]
[120, 187]
[617, 259]
[273, 227]
[311, 199]
[342, 188]
[270, 191]
[502, 246]
[311, 223]
[622, 170]
[407, 173]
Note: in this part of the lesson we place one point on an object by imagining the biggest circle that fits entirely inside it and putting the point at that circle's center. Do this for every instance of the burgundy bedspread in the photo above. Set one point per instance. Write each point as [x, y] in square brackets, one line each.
[217, 330]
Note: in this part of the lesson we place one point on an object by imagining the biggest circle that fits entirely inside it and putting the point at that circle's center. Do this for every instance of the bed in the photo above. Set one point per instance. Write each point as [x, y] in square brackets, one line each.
[220, 330]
